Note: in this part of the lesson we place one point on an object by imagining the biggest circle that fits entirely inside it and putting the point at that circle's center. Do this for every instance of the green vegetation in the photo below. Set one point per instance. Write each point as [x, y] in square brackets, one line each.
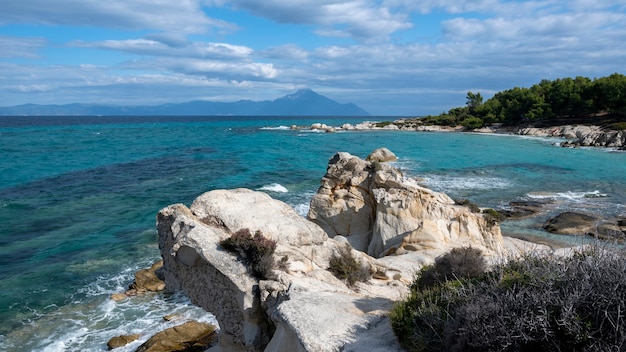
[600, 101]
[459, 263]
[474, 208]
[255, 251]
[346, 267]
[571, 303]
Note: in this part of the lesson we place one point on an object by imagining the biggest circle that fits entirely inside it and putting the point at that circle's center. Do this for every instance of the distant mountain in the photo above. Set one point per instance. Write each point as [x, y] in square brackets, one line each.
[304, 102]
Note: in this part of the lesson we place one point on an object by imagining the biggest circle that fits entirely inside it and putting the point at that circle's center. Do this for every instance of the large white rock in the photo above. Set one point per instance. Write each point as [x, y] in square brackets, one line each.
[304, 308]
[380, 211]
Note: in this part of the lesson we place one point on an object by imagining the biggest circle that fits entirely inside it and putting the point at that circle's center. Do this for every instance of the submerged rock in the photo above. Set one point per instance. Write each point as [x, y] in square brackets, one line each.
[121, 341]
[573, 223]
[190, 336]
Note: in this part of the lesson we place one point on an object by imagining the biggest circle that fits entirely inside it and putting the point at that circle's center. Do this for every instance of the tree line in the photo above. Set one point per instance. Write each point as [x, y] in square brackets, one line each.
[563, 99]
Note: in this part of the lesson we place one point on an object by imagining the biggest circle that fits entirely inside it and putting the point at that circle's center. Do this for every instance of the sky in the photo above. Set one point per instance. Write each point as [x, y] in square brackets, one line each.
[390, 57]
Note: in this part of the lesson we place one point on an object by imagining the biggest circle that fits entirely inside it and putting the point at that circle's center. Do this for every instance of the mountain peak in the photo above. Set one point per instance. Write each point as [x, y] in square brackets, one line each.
[301, 94]
[304, 102]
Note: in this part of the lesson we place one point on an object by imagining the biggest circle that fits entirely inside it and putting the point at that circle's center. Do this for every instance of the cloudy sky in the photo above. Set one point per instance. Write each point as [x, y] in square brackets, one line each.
[391, 57]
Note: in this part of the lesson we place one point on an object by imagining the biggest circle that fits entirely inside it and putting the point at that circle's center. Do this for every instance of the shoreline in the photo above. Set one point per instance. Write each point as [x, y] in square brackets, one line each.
[575, 135]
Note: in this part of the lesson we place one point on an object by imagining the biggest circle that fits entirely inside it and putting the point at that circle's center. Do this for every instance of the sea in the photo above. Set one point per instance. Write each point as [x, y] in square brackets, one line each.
[79, 197]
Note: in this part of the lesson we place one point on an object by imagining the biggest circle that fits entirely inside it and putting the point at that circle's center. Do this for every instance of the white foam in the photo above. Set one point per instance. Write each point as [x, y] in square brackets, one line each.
[93, 317]
[279, 128]
[302, 209]
[443, 183]
[569, 195]
[274, 187]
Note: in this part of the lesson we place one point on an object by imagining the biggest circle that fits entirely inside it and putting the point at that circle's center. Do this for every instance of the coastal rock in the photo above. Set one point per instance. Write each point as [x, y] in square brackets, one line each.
[190, 336]
[579, 135]
[147, 279]
[303, 307]
[380, 211]
[572, 223]
[382, 155]
[121, 341]
[523, 209]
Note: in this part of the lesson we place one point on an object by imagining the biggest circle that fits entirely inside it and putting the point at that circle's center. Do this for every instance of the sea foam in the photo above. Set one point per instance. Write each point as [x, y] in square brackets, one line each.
[274, 187]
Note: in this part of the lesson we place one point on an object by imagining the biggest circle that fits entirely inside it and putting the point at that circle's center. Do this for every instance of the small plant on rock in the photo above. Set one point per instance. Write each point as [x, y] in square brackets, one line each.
[474, 208]
[255, 251]
[346, 267]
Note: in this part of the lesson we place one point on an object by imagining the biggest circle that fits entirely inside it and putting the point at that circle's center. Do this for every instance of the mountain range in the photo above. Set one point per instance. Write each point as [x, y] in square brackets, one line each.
[304, 102]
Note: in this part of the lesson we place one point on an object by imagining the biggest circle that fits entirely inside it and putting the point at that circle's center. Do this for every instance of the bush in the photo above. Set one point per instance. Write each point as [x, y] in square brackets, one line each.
[493, 216]
[346, 267]
[459, 263]
[474, 208]
[473, 123]
[255, 251]
[574, 303]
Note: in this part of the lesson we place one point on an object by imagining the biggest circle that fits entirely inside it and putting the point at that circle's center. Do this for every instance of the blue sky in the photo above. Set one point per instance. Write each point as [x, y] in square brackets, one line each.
[391, 57]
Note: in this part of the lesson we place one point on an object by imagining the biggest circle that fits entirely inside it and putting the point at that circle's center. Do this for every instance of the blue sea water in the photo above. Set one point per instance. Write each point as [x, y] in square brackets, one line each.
[79, 196]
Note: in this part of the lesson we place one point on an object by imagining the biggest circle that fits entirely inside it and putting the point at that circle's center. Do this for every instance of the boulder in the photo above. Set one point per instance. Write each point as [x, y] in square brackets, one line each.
[121, 341]
[190, 336]
[382, 155]
[380, 211]
[572, 223]
[147, 279]
[303, 307]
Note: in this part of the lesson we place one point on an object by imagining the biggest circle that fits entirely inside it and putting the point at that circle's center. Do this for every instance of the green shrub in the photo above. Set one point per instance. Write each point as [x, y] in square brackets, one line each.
[459, 263]
[474, 208]
[493, 215]
[573, 303]
[346, 267]
[473, 123]
[255, 251]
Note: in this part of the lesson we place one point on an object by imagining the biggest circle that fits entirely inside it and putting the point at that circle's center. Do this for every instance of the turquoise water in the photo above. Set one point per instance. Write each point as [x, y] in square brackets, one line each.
[78, 199]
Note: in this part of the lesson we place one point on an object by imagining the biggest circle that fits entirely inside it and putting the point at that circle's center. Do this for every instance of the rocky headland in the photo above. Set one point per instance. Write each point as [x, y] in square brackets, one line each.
[576, 135]
[365, 211]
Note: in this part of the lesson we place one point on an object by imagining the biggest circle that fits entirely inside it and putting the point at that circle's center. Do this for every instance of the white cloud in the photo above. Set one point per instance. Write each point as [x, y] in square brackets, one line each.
[285, 52]
[182, 16]
[363, 20]
[20, 46]
[161, 48]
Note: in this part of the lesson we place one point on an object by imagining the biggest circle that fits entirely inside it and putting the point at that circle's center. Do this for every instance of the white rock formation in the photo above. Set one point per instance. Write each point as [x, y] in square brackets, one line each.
[380, 212]
[302, 306]
[305, 308]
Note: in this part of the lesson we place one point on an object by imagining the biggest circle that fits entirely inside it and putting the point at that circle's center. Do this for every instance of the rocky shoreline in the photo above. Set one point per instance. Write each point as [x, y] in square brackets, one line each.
[574, 135]
[365, 210]
[390, 225]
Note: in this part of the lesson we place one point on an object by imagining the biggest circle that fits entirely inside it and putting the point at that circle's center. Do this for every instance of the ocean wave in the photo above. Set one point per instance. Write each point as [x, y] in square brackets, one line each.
[443, 183]
[569, 195]
[274, 187]
[89, 322]
[279, 128]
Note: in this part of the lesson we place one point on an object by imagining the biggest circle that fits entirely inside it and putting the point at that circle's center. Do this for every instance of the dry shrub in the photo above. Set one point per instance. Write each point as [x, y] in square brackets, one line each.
[574, 303]
[346, 267]
[466, 262]
[255, 251]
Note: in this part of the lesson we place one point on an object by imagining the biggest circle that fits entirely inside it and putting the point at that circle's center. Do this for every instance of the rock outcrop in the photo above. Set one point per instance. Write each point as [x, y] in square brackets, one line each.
[382, 212]
[190, 336]
[579, 135]
[302, 306]
[573, 223]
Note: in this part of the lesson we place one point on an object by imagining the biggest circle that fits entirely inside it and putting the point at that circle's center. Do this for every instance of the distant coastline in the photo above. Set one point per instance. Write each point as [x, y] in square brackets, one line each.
[574, 135]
